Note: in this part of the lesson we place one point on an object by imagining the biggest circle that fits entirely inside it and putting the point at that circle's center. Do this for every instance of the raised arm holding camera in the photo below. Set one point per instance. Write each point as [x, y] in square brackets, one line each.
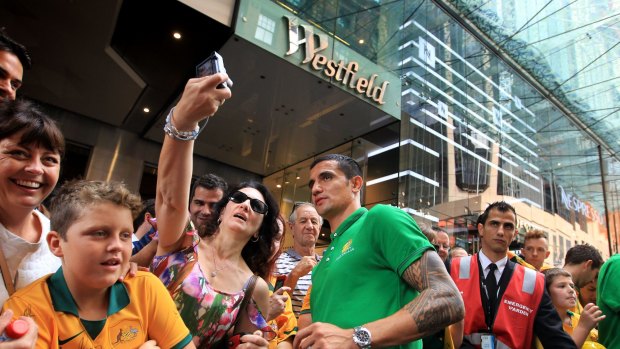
[218, 262]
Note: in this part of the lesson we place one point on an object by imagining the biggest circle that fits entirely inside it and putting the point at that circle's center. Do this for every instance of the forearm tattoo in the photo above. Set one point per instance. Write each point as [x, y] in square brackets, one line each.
[439, 303]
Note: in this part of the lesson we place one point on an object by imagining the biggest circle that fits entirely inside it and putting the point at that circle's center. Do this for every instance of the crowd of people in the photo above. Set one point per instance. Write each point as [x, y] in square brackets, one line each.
[218, 276]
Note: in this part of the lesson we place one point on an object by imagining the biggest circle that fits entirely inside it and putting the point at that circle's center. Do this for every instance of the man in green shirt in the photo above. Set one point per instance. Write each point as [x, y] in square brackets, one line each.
[608, 289]
[380, 282]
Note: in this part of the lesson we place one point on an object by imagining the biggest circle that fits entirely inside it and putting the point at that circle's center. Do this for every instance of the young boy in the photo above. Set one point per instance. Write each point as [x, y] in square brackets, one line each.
[83, 305]
[559, 285]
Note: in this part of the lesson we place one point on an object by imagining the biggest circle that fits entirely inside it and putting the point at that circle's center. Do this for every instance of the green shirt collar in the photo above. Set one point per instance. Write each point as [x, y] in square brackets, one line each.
[348, 222]
[63, 300]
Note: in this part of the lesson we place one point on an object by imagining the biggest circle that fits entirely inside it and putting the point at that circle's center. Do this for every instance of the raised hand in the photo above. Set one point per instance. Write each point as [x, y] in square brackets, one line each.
[200, 100]
[590, 316]
[277, 302]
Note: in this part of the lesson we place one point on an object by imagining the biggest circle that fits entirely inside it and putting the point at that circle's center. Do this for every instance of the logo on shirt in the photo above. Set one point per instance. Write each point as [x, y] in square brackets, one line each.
[346, 248]
[65, 341]
[28, 312]
[126, 334]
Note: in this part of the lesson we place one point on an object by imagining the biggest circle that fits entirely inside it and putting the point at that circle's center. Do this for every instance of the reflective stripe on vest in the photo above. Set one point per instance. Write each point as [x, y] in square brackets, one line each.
[529, 281]
[476, 339]
[464, 271]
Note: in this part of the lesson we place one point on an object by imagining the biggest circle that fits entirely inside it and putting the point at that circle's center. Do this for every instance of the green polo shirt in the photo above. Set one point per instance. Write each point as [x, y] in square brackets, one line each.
[608, 299]
[359, 278]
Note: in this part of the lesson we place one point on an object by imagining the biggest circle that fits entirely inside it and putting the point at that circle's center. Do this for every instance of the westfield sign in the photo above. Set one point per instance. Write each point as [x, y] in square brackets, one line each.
[343, 72]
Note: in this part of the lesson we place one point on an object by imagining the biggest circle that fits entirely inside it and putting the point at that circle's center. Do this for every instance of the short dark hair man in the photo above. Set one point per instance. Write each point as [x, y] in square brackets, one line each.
[206, 192]
[583, 262]
[499, 293]
[13, 60]
[536, 249]
[380, 283]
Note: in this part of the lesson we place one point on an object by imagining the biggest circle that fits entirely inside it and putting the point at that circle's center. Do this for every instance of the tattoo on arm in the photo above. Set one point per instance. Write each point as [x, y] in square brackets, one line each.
[439, 303]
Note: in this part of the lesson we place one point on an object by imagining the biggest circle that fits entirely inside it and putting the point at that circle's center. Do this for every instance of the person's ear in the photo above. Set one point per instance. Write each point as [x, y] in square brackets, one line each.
[481, 229]
[588, 264]
[547, 254]
[514, 236]
[356, 183]
[53, 241]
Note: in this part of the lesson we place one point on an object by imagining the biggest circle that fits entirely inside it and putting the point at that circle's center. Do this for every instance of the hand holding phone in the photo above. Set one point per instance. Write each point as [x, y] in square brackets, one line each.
[212, 65]
[279, 282]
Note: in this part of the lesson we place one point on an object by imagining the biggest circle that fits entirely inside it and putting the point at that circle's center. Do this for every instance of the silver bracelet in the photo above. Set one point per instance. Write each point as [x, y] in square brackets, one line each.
[181, 135]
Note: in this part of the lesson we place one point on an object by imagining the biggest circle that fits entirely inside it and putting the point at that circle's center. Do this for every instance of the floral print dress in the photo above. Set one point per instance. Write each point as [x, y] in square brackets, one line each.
[207, 312]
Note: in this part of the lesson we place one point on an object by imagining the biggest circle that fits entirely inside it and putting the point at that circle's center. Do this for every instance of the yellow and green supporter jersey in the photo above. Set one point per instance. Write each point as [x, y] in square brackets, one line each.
[139, 309]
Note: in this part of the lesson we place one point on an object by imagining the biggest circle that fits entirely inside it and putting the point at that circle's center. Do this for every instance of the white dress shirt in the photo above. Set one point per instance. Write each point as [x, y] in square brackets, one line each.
[485, 262]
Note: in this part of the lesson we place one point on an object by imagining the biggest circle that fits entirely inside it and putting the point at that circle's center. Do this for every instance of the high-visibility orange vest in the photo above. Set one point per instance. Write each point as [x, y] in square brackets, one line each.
[516, 310]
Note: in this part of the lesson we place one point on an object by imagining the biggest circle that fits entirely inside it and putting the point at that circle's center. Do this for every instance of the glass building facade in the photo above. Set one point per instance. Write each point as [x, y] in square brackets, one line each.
[448, 105]
[491, 107]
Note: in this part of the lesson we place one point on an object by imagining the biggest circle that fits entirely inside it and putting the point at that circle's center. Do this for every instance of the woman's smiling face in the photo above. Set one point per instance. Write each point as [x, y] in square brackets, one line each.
[28, 172]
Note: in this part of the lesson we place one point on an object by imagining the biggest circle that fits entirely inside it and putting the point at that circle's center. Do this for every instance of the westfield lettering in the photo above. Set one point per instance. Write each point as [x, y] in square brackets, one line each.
[345, 73]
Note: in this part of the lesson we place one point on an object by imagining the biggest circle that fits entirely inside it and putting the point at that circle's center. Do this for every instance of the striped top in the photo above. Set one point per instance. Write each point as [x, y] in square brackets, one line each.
[285, 263]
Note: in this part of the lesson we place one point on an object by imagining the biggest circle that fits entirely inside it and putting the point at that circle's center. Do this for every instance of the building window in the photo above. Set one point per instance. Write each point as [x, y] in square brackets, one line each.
[265, 28]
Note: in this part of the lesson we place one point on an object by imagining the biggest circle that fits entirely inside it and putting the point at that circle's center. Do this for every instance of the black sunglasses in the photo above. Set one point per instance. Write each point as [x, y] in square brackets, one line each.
[256, 205]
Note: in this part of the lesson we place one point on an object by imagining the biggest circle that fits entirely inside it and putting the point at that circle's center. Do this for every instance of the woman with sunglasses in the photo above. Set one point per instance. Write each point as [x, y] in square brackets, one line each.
[208, 270]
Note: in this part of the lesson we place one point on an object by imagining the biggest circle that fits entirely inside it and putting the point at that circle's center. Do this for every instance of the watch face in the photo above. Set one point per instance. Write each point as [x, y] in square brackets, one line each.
[362, 337]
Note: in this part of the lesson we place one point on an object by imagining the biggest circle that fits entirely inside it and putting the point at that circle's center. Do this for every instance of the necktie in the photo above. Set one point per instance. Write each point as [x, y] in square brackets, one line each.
[491, 285]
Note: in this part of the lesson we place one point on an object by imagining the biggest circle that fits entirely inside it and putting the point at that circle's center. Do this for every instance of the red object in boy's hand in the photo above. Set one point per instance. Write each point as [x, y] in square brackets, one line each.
[17, 329]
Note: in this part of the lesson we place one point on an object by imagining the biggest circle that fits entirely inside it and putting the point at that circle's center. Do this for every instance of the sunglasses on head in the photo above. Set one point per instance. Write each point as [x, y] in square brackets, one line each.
[256, 205]
[299, 203]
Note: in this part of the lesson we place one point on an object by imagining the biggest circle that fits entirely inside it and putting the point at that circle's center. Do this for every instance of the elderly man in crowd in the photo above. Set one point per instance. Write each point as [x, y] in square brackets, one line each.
[297, 262]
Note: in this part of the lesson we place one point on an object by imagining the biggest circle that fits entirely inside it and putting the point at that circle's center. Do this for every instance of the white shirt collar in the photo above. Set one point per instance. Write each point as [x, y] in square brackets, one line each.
[485, 261]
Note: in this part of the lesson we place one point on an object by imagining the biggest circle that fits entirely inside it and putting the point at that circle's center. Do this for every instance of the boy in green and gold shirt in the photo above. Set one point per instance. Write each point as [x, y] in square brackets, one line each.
[83, 305]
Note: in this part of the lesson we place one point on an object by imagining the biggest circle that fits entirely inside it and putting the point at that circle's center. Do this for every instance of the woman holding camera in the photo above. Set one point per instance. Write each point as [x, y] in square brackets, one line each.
[209, 271]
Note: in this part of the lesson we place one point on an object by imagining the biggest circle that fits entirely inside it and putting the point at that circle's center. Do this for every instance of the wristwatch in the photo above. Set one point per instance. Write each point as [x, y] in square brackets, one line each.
[362, 337]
